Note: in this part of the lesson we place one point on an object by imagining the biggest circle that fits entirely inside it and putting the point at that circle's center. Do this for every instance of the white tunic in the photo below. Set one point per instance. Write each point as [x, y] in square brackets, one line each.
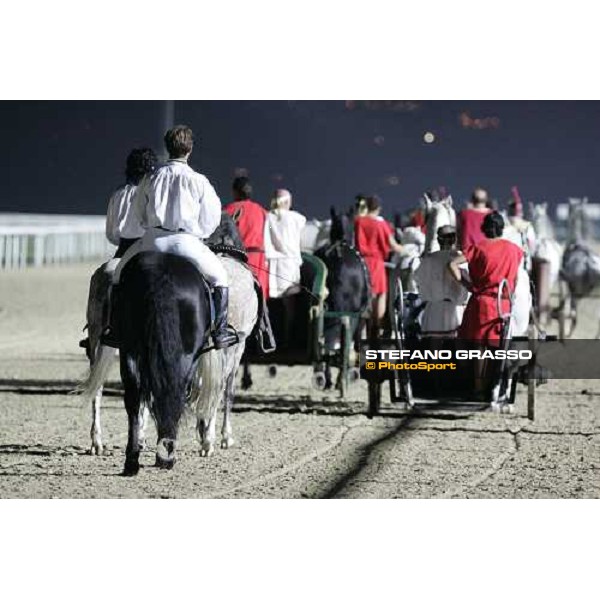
[121, 222]
[177, 198]
[445, 297]
[283, 252]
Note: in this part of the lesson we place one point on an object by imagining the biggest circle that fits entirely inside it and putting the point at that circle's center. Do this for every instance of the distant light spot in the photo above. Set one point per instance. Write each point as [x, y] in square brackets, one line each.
[241, 172]
[277, 177]
[393, 180]
[379, 140]
[429, 137]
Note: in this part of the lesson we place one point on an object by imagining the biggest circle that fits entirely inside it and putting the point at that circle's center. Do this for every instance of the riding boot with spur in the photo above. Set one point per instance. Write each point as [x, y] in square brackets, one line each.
[110, 334]
[223, 334]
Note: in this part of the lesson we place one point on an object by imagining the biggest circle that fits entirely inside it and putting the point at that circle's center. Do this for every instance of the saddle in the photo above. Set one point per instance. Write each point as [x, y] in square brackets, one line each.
[231, 251]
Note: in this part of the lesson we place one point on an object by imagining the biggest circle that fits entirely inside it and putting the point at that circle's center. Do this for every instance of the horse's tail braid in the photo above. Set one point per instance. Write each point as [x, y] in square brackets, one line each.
[207, 390]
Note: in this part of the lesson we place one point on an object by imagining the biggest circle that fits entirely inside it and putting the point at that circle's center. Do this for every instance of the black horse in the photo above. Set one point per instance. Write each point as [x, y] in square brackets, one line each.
[347, 280]
[164, 321]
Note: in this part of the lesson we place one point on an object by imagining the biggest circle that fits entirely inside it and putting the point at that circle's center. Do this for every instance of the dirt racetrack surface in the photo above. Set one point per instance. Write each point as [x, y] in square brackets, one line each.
[291, 440]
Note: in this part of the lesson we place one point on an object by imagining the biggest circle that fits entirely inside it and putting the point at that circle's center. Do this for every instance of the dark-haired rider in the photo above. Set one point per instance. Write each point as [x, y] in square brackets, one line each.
[121, 230]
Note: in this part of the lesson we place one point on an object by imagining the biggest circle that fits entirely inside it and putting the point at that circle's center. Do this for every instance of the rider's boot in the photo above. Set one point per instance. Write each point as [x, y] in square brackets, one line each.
[110, 333]
[223, 335]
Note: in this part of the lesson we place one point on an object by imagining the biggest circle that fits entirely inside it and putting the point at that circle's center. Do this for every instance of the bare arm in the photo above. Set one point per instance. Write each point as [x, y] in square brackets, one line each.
[395, 246]
[454, 266]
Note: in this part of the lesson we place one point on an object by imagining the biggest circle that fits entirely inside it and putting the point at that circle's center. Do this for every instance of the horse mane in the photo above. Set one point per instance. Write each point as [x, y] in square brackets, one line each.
[227, 233]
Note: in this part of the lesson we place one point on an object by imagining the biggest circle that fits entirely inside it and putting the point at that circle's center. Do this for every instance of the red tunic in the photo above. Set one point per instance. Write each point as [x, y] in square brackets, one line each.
[251, 225]
[490, 262]
[469, 227]
[373, 242]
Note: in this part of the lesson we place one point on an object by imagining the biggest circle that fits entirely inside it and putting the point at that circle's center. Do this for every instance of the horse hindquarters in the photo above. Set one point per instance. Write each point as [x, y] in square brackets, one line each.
[163, 319]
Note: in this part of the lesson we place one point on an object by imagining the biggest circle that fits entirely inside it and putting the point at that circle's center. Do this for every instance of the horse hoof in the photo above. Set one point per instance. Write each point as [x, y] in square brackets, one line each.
[319, 381]
[354, 374]
[164, 463]
[131, 468]
[207, 450]
[96, 449]
[227, 443]
[165, 453]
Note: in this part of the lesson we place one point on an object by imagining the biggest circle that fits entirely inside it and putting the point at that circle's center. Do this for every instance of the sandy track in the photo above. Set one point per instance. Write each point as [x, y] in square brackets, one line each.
[292, 441]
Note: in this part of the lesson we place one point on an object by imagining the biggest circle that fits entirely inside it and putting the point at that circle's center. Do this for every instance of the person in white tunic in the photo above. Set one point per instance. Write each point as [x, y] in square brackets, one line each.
[282, 245]
[178, 208]
[445, 297]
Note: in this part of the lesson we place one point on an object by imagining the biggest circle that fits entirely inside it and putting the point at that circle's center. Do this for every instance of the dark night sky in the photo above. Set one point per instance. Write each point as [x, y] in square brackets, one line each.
[69, 156]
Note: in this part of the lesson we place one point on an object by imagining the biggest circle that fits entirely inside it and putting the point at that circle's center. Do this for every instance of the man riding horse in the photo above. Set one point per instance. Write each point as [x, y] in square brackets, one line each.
[177, 208]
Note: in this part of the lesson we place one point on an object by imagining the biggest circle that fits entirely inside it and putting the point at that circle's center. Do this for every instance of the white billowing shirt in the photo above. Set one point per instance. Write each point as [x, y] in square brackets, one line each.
[177, 198]
[121, 222]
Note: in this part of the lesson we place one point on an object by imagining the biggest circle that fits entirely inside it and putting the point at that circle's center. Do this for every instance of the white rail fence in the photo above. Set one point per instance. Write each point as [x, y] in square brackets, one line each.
[37, 240]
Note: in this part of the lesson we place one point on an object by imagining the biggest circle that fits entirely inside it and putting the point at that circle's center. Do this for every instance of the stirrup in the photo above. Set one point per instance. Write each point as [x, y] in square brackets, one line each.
[231, 338]
[108, 339]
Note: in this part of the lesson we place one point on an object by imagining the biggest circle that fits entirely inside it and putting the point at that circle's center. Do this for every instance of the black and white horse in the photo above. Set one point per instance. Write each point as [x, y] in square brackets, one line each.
[165, 317]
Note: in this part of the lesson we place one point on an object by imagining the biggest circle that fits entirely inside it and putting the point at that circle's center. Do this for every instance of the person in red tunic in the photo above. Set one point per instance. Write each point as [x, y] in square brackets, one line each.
[251, 219]
[471, 218]
[490, 261]
[374, 240]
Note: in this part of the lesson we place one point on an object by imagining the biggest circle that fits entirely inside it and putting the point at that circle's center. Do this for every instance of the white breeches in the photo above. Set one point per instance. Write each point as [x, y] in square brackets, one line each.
[181, 244]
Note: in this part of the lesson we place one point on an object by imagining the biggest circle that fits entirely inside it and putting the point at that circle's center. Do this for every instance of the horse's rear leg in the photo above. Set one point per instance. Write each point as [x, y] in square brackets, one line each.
[246, 376]
[130, 377]
[207, 432]
[232, 363]
[96, 431]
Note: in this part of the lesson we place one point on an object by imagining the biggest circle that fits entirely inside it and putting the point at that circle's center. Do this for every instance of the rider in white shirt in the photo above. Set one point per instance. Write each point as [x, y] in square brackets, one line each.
[178, 208]
[122, 229]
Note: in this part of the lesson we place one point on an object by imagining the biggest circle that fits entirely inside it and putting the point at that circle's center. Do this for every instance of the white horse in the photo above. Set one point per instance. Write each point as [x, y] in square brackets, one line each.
[413, 244]
[437, 214]
[315, 235]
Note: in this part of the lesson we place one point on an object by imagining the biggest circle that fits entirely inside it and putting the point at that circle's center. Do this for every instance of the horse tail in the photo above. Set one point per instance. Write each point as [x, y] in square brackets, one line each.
[98, 373]
[163, 377]
[209, 382]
